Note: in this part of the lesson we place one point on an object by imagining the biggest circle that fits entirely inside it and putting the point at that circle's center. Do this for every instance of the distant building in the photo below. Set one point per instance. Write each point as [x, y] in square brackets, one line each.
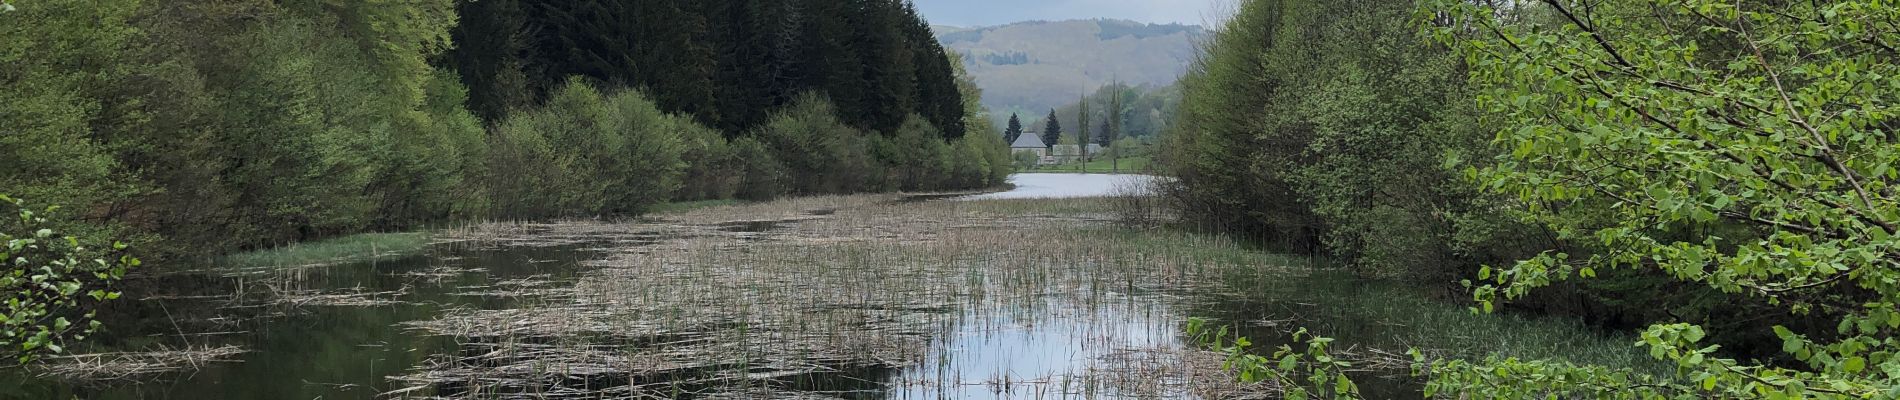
[1030, 141]
[1061, 153]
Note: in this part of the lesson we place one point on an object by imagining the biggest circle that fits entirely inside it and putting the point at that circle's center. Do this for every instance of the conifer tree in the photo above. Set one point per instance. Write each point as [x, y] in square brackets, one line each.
[1052, 131]
[1014, 130]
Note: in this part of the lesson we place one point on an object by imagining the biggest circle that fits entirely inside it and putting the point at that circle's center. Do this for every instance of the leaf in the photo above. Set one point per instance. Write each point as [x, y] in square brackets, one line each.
[1854, 365]
[1693, 334]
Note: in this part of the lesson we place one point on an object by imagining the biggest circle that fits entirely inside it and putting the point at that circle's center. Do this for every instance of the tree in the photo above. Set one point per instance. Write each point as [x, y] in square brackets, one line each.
[1113, 132]
[1082, 126]
[1014, 130]
[1052, 130]
[1744, 148]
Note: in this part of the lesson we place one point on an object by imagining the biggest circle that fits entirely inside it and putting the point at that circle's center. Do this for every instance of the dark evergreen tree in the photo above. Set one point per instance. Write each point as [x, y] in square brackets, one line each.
[1052, 131]
[1014, 130]
[491, 46]
[727, 63]
[939, 99]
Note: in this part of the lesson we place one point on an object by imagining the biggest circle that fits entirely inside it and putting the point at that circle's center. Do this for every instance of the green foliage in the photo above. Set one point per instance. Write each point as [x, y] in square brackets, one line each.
[713, 169]
[985, 145]
[254, 124]
[922, 159]
[346, 249]
[726, 63]
[1306, 373]
[588, 153]
[824, 154]
[51, 293]
[63, 63]
[763, 175]
[1323, 126]
[1025, 159]
[1631, 123]
[236, 124]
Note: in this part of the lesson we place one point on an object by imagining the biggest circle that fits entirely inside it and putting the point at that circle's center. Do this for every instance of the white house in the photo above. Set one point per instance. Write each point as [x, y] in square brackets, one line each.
[1030, 141]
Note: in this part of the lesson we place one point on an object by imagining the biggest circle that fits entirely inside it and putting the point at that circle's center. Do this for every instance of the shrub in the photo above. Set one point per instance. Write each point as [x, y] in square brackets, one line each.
[762, 174]
[820, 153]
[588, 154]
[713, 170]
[967, 167]
[50, 293]
[921, 158]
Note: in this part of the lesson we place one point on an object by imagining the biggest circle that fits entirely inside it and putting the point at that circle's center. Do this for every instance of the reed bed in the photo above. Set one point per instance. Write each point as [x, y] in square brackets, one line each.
[831, 296]
[133, 366]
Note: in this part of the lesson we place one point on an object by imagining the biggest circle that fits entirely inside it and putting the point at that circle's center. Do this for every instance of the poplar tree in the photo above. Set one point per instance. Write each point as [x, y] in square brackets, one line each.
[1082, 126]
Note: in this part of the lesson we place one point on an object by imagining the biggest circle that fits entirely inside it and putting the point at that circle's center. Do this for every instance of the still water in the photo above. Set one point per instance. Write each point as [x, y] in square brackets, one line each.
[1052, 186]
[346, 331]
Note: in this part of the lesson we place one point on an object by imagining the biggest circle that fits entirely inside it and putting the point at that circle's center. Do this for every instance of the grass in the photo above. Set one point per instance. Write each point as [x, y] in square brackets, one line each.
[1102, 166]
[673, 207]
[375, 246]
[880, 284]
[347, 249]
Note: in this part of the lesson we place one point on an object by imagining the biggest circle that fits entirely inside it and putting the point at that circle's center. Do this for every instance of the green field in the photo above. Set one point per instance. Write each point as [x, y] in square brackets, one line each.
[1103, 165]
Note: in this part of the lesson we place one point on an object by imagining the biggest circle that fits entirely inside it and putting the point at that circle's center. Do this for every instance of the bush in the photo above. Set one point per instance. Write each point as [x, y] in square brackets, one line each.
[1025, 159]
[762, 174]
[921, 158]
[588, 154]
[713, 170]
[50, 293]
[968, 166]
[820, 153]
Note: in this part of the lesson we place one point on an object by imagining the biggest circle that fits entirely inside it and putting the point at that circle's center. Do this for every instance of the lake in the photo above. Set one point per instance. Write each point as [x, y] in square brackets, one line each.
[1055, 185]
[854, 297]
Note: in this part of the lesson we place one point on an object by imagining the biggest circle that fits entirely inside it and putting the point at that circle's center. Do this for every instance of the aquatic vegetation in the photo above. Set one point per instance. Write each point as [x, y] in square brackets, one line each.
[343, 250]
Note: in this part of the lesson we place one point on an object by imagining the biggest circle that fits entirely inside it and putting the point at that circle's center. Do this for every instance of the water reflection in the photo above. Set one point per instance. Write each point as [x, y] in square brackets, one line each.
[1054, 186]
[296, 351]
[1056, 349]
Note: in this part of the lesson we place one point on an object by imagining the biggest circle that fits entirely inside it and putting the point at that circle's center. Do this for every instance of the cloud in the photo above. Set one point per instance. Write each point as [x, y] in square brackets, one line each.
[998, 12]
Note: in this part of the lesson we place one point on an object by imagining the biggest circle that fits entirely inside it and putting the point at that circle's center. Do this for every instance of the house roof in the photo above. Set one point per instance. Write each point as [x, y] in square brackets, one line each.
[1028, 141]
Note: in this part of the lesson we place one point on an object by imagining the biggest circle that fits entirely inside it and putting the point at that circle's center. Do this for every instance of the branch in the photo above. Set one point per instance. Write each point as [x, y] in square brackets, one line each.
[1827, 151]
[1594, 34]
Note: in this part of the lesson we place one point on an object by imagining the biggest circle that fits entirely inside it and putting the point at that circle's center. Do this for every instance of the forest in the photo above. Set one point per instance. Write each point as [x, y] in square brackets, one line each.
[201, 128]
[1717, 176]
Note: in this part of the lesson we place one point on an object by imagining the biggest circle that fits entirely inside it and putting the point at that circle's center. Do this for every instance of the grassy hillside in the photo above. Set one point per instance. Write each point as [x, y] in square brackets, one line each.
[1031, 67]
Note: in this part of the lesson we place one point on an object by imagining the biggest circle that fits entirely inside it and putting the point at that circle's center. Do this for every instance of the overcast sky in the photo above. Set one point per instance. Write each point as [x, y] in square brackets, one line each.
[968, 13]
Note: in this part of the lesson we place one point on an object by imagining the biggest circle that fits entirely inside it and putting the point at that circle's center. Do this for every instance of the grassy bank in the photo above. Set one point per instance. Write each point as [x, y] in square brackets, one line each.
[1126, 165]
[1268, 295]
[346, 249]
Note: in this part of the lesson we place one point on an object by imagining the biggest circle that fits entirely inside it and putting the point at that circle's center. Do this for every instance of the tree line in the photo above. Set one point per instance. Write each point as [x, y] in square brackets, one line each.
[1717, 175]
[199, 128]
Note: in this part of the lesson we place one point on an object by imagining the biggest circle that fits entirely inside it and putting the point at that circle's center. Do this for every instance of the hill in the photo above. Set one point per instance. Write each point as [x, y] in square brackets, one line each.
[1031, 67]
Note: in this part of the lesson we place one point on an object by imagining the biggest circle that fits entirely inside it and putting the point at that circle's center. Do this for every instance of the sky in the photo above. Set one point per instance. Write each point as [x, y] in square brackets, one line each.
[968, 13]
